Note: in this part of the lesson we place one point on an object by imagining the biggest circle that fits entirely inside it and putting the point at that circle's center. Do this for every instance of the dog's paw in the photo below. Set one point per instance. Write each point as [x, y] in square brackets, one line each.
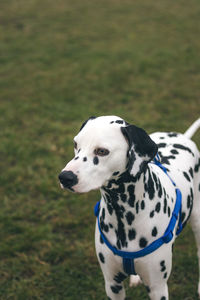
[134, 280]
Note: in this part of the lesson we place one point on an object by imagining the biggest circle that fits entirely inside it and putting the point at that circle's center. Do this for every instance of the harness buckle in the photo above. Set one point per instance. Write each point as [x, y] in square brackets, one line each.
[167, 237]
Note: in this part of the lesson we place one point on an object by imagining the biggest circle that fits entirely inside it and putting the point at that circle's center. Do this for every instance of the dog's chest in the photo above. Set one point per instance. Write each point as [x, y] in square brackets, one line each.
[134, 218]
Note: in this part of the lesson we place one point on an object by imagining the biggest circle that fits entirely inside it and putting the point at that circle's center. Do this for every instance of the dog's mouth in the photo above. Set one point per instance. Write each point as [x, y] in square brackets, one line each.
[67, 188]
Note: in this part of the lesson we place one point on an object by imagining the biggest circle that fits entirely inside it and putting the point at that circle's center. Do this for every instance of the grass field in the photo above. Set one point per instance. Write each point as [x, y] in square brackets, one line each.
[61, 62]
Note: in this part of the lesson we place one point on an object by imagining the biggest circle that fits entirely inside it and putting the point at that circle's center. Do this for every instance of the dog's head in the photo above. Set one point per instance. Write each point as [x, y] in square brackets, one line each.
[106, 147]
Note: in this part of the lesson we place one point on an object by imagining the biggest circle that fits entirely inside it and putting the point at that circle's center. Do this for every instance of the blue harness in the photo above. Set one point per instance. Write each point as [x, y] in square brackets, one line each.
[128, 257]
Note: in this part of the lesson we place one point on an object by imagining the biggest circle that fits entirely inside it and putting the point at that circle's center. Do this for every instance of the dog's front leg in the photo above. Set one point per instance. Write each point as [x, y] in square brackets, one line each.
[113, 276]
[114, 291]
[154, 270]
[111, 266]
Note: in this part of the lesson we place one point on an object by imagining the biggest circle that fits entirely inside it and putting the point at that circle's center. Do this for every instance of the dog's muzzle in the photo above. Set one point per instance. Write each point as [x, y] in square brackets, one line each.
[68, 179]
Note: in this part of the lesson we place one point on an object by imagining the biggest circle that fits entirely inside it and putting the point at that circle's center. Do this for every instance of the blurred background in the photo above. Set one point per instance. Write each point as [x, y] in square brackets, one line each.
[61, 62]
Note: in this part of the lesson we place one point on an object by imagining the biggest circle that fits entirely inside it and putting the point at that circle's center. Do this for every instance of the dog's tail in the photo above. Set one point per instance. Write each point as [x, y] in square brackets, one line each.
[192, 129]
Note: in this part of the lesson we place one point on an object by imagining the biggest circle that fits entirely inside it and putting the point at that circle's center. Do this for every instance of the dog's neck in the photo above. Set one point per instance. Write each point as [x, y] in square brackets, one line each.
[123, 189]
[122, 198]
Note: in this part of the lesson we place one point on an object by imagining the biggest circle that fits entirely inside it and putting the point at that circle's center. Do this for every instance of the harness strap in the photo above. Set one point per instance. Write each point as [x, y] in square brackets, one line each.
[128, 257]
[128, 266]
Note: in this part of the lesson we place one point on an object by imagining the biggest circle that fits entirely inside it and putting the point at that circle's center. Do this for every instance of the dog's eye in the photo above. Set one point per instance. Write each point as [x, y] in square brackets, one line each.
[101, 152]
[75, 145]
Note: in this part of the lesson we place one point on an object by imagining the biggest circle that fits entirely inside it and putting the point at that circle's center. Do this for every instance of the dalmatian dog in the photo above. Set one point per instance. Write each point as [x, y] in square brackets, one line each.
[137, 196]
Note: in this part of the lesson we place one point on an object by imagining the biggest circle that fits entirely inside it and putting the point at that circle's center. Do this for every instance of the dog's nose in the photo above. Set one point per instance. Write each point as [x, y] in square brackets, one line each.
[68, 179]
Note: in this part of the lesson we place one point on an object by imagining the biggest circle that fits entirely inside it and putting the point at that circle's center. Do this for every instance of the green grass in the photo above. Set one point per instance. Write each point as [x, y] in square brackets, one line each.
[61, 62]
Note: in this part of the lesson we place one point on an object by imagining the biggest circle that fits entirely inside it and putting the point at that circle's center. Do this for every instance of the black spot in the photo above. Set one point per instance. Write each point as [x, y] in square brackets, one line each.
[112, 122]
[155, 180]
[162, 263]
[109, 186]
[101, 257]
[142, 168]
[163, 298]
[131, 190]
[169, 211]
[165, 206]
[95, 160]
[159, 189]
[154, 231]
[157, 208]
[161, 137]
[130, 217]
[172, 134]
[192, 195]
[182, 216]
[163, 268]
[110, 225]
[148, 289]
[150, 187]
[186, 176]
[110, 208]
[191, 172]
[85, 159]
[173, 151]
[178, 146]
[122, 209]
[197, 166]
[165, 159]
[119, 122]
[103, 226]
[131, 234]
[142, 242]
[151, 214]
[103, 214]
[120, 189]
[118, 244]
[116, 288]
[76, 158]
[123, 197]
[142, 205]
[101, 240]
[137, 207]
[120, 277]
[165, 275]
[161, 145]
[189, 204]
[106, 228]
[115, 173]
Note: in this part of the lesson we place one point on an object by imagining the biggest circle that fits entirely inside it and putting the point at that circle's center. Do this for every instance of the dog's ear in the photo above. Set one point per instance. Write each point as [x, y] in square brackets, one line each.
[84, 123]
[142, 148]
